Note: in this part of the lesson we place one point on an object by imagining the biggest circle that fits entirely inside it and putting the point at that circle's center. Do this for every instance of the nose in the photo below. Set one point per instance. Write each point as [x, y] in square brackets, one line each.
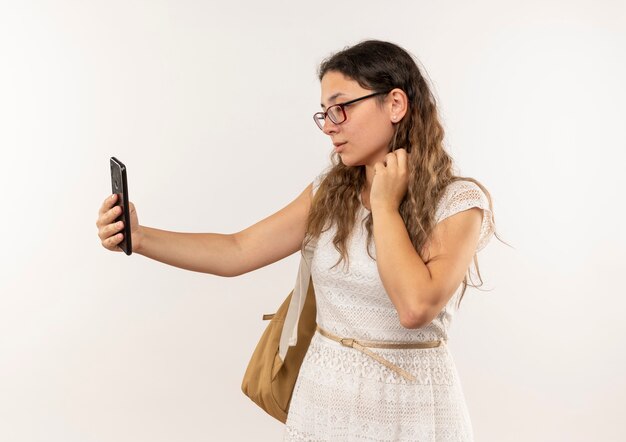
[329, 126]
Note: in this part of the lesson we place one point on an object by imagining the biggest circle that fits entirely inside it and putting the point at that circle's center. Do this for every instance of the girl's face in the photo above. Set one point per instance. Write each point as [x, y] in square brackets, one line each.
[367, 129]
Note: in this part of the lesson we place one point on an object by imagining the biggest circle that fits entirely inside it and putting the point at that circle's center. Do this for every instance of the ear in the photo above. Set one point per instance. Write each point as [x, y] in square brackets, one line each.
[399, 104]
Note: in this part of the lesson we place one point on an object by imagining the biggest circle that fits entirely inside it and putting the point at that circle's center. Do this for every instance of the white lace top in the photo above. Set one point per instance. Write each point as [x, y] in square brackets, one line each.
[342, 394]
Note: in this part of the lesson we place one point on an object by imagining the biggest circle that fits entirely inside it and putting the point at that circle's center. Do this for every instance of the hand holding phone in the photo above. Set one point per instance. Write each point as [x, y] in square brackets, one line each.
[119, 186]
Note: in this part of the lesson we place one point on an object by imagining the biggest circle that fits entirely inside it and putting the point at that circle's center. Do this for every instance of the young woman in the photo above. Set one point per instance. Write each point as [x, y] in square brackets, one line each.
[406, 228]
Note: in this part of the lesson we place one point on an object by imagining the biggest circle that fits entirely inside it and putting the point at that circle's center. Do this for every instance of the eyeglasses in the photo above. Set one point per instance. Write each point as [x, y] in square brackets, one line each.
[337, 113]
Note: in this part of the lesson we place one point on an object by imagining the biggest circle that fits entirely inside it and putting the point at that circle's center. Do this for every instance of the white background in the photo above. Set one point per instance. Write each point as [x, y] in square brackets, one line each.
[210, 107]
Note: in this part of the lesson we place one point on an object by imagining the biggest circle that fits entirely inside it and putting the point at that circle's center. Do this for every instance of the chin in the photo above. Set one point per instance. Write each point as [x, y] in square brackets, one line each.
[345, 160]
[349, 160]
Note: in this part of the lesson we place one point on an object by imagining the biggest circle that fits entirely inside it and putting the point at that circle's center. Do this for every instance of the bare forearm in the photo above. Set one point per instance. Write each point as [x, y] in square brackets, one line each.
[402, 271]
[212, 253]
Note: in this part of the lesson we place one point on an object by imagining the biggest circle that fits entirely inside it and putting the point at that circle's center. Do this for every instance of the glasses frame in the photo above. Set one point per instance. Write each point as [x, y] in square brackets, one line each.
[318, 117]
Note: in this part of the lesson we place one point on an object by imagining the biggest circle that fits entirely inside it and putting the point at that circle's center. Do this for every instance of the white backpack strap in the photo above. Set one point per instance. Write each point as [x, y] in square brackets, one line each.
[289, 334]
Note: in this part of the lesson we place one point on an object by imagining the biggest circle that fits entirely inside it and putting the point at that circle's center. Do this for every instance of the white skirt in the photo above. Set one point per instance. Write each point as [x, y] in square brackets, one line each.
[342, 394]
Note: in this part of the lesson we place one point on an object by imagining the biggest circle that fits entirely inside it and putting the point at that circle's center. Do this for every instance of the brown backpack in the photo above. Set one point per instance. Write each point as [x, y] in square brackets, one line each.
[269, 379]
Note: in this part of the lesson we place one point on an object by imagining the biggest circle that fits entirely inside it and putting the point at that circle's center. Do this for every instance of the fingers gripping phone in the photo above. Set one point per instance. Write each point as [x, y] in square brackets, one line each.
[119, 185]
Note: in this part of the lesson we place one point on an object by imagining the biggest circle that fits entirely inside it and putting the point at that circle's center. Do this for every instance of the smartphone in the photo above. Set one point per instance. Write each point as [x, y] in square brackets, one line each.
[119, 185]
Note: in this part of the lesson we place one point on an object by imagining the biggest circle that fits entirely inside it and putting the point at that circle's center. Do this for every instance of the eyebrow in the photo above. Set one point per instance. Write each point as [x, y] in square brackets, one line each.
[332, 97]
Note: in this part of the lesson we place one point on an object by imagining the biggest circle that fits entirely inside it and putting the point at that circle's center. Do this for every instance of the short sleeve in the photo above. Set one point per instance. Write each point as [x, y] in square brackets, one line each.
[463, 195]
[315, 185]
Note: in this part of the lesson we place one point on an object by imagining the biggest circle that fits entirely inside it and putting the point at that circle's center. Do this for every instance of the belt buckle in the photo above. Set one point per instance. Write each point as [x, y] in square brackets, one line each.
[349, 342]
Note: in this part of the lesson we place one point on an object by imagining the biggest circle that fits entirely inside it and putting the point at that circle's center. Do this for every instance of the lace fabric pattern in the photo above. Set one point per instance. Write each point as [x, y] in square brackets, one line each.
[463, 195]
[342, 394]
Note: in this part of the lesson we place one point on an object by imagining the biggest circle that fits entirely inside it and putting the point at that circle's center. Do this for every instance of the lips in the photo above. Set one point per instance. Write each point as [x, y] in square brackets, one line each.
[339, 144]
[339, 147]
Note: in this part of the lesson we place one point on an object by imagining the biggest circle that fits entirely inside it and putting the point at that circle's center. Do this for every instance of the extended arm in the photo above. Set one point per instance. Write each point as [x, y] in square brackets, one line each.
[271, 239]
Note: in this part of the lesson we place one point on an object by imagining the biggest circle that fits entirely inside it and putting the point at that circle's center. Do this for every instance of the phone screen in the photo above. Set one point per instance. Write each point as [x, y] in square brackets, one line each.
[119, 185]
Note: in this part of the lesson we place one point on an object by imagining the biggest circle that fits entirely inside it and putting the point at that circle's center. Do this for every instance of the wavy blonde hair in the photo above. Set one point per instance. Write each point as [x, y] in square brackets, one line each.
[382, 66]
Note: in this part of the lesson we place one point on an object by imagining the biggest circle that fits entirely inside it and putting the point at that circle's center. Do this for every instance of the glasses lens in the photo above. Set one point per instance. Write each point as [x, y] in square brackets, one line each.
[319, 119]
[336, 114]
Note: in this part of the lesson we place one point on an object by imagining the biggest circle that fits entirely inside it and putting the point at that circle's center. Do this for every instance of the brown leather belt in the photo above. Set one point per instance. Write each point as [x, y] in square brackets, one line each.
[362, 346]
